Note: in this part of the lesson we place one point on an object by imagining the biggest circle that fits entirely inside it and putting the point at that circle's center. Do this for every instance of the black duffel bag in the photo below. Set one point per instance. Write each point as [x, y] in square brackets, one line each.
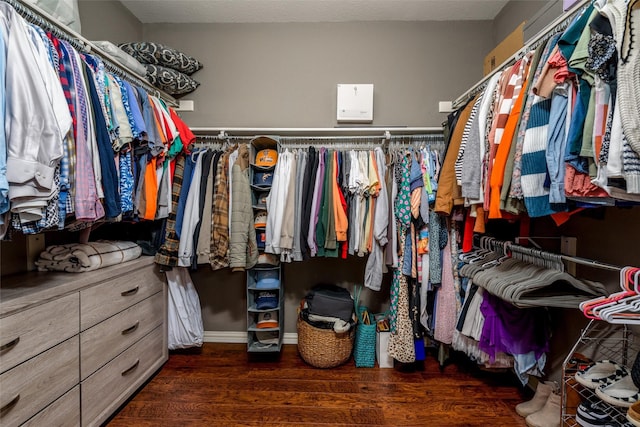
[330, 301]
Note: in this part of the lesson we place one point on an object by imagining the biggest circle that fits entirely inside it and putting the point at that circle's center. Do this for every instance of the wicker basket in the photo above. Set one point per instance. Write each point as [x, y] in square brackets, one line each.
[323, 348]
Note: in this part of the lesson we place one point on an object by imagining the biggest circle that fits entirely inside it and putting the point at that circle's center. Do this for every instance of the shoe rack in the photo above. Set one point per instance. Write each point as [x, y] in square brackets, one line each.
[599, 340]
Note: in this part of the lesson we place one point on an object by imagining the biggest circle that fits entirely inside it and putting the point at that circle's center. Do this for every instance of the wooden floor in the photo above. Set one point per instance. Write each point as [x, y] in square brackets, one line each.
[219, 385]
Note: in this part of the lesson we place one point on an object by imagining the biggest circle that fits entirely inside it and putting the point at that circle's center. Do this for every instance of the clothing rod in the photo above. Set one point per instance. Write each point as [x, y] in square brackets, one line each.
[336, 142]
[319, 131]
[381, 138]
[591, 263]
[40, 17]
[494, 243]
[298, 139]
[219, 138]
[548, 30]
[569, 258]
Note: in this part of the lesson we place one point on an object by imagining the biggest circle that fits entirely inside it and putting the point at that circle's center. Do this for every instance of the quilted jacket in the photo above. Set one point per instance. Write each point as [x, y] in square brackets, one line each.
[243, 249]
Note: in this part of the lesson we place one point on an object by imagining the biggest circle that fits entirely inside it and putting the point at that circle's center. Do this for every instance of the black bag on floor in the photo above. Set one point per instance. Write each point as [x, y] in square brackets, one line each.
[330, 301]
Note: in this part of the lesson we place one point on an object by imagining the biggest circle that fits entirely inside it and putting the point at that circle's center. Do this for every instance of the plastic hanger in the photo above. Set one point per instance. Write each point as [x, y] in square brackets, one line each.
[591, 308]
[635, 283]
[476, 254]
[626, 312]
[623, 307]
[616, 304]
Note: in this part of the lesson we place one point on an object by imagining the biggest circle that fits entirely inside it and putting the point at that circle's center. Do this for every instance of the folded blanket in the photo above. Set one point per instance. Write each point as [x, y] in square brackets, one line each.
[81, 257]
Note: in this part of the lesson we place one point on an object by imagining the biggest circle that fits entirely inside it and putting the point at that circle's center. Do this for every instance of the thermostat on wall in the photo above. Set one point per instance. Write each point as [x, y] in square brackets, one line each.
[355, 103]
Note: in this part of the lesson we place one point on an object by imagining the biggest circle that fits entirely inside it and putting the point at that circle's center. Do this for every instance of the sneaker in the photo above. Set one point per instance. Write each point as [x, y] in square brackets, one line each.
[635, 371]
[595, 414]
[601, 372]
[622, 393]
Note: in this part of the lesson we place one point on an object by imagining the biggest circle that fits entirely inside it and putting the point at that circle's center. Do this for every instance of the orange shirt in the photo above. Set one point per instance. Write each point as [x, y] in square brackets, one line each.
[340, 215]
[151, 190]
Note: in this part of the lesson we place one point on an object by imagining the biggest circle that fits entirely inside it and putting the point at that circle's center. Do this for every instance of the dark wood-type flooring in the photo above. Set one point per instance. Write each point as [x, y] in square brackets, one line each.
[220, 385]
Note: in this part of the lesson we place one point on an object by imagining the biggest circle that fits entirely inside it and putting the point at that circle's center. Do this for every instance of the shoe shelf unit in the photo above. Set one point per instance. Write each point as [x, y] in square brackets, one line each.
[599, 340]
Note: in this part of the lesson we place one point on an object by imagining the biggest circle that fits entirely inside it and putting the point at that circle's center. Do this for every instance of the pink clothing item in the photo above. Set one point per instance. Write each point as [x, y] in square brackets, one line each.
[446, 312]
[579, 184]
[561, 68]
[554, 72]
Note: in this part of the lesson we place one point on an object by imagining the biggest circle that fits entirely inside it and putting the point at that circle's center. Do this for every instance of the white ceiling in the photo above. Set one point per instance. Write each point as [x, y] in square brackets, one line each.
[218, 11]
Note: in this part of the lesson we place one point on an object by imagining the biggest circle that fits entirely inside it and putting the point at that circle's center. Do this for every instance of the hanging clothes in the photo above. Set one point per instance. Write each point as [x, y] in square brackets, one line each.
[93, 127]
[401, 346]
[375, 263]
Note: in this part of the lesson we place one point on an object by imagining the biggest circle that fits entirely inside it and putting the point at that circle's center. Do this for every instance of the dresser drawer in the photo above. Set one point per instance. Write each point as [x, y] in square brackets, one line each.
[112, 296]
[32, 331]
[107, 339]
[34, 384]
[64, 412]
[105, 390]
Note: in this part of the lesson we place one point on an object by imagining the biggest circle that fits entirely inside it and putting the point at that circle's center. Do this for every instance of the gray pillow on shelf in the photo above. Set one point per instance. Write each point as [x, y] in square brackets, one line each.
[171, 81]
[121, 56]
[158, 54]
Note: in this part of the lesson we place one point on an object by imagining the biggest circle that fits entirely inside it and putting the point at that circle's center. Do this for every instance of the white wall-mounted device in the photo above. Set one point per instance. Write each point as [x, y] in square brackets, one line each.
[355, 103]
[186, 105]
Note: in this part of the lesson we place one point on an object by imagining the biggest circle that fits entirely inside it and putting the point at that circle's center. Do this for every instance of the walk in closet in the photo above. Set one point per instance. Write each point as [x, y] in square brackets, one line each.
[442, 193]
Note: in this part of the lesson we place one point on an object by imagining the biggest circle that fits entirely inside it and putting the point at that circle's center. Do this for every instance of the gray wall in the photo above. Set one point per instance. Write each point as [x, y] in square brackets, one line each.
[108, 20]
[223, 297]
[285, 75]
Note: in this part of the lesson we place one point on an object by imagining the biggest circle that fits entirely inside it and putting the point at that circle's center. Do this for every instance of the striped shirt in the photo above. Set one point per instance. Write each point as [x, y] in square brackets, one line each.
[87, 204]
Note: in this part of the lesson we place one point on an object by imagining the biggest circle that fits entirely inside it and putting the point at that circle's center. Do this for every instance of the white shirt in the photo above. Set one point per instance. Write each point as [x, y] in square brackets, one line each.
[37, 117]
[191, 215]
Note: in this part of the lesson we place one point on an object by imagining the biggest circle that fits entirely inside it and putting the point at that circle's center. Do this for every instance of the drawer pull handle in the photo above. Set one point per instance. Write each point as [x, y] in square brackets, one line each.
[131, 329]
[8, 346]
[9, 406]
[131, 369]
[130, 292]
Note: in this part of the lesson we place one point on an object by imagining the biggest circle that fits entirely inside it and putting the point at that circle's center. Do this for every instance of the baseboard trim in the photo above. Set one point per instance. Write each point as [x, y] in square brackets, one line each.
[236, 337]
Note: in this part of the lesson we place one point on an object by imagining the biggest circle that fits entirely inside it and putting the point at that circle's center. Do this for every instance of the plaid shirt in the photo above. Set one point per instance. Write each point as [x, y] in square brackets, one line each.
[65, 203]
[219, 255]
[65, 60]
[167, 255]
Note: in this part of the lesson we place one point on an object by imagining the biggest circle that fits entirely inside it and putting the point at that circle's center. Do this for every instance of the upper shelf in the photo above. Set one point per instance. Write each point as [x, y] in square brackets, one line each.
[43, 19]
[554, 27]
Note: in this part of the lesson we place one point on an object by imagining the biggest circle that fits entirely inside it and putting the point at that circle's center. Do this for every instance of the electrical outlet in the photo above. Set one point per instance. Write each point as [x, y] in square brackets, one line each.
[445, 106]
[186, 105]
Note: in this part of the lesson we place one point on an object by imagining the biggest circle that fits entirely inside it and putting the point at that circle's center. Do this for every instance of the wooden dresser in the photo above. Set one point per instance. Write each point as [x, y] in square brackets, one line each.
[75, 346]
